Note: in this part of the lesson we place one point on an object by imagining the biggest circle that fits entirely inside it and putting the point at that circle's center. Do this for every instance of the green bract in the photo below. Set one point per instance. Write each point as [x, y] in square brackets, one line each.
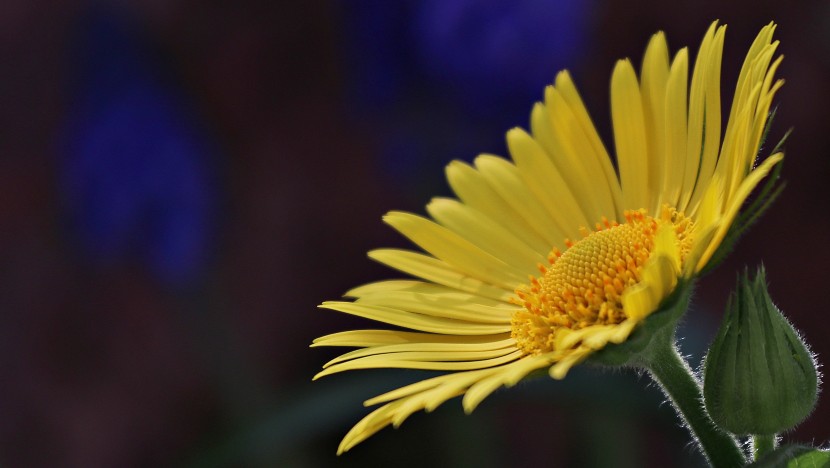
[657, 329]
[759, 376]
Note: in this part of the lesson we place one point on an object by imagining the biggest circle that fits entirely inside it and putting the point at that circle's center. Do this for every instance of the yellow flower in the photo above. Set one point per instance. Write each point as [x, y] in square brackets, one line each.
[547, 258]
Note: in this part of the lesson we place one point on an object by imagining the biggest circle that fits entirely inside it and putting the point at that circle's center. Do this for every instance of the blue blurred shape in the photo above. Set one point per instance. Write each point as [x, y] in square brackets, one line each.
[444, 79]
[492, 54]
[136, 174]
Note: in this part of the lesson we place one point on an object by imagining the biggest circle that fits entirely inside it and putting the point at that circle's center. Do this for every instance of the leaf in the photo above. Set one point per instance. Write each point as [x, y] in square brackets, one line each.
[794, 456]
[812, 459]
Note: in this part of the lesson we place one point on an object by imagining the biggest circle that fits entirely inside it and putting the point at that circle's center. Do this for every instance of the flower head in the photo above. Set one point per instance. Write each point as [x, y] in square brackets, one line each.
[550, 257]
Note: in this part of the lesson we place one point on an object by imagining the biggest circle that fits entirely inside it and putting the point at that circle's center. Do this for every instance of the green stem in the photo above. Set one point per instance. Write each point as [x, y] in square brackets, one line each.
[762, 444]
[681, 386]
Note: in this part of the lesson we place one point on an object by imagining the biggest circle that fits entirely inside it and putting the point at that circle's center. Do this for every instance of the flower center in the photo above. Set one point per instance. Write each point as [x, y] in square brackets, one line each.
[584, 285]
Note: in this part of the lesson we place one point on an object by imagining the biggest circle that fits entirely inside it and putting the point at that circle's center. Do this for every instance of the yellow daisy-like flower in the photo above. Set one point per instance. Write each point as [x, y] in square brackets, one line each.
[548, 258]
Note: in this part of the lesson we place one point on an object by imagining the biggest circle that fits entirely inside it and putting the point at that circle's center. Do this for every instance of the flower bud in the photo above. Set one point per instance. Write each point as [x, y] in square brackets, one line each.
[759, 376]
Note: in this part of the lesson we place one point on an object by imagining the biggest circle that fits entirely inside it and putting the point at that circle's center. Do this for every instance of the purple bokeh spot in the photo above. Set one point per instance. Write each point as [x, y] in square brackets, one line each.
[136, 177]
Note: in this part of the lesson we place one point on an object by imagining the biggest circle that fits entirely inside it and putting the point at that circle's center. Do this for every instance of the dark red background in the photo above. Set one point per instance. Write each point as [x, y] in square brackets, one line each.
[102, 366]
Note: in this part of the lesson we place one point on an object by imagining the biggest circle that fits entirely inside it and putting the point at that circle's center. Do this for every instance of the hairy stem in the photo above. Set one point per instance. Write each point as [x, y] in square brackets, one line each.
[762, 444]
[681, 386]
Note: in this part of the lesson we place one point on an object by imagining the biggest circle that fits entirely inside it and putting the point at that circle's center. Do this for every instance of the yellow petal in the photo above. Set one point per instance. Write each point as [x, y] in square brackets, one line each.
[655, 75]
[630, 136]
[507, 181]
[416, 321]
[596, 150]
[474, 190]
[485, 233]
[432, 269]
[455, 250]
[546, 182]
[674, 169]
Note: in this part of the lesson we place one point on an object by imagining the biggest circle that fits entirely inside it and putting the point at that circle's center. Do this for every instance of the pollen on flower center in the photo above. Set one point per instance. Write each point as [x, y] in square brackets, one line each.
[584, 285]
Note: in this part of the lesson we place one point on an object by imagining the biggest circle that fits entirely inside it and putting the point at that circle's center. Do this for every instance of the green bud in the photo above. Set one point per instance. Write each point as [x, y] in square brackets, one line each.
[759, 376]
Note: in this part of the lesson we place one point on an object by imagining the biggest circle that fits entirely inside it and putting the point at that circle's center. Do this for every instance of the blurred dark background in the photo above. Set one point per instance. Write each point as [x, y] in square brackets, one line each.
[183, 182]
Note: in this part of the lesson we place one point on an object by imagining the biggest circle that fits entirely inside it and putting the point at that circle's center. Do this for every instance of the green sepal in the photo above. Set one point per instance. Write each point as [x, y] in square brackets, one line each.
[759, 376]
[794, 456]
[660, 325]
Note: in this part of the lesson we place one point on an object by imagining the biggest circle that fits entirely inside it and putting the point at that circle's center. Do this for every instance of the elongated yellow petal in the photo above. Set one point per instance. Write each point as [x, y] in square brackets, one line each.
[572, 153]
[474, 190]
[431, 269]
[762, 40]
[425, 385]
[630, 135]
[427, 292]
[545, 180]
[737, 200]
[735, 161]
[427, 394]
[559, 370]
[459, 306]
[427, 354]
[655, 76]
[573, 176]
[674, 114]
[437, 292]
[485, 233]
[508, 377]
[368, 426]
[565, 85]
[709, 216]
[505, 179]
[461, 351]
[708, 69]
[424, 361]
[454, 249]
[697, 114]
[371, 338]
[416, 321]
[433, 397]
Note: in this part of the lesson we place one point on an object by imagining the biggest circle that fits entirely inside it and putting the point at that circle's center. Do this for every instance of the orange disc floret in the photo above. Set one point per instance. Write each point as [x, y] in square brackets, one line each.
[583, 286]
